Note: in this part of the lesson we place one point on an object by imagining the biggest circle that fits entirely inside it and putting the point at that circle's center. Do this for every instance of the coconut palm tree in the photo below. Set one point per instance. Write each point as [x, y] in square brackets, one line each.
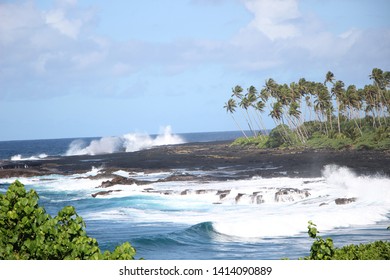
[259, 108]
[323, 104]
[370, 97]
[237, 92]
[329, 78]
[230, 107]
[245, 104]
[252, 96]
[381, 81]
[295, 115]
[353, 104]
[338, 91]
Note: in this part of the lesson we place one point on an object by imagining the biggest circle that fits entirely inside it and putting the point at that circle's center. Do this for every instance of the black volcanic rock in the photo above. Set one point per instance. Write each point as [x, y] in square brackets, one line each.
[104, 193]
[247, 161]
[288, 194]
[341, 201]
[118, 180]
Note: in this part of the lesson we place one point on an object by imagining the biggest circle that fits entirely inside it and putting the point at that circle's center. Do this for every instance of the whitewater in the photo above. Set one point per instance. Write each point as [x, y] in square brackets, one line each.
[130, 142]
[254, 218]
[216, 213]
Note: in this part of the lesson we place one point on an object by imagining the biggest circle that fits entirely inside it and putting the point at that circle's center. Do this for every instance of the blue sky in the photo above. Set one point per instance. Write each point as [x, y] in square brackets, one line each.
[73, 68]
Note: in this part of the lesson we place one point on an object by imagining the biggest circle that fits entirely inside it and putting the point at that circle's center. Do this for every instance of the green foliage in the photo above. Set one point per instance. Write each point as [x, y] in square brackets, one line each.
[324, 249]
[28, 232]
[378, 250]
[279, 136]
[321, 249]
[329, 108]
[258, 141]
[320, 141]
[350, 138]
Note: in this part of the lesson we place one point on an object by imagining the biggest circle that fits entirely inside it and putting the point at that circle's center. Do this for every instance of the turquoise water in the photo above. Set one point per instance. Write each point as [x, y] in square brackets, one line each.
[203, 224]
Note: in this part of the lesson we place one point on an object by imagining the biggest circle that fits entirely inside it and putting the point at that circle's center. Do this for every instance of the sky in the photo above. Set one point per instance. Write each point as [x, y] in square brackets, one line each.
[72, 68]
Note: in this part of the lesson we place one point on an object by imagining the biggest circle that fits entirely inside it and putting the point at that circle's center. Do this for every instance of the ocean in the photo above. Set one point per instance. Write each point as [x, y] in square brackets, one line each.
[252, 218]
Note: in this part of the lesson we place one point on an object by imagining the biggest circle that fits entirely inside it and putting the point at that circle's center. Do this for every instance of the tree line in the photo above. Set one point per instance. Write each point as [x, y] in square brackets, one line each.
[296, 105]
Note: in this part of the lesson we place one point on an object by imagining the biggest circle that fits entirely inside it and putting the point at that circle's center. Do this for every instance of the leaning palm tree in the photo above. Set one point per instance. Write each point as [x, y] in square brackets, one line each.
[338, 91]
[323, 105]
[237, 92]
[353, 104]
[329, 78]
[245, 104]
[381, 81]
[277, 115]
[370, 93]
[251, 97]
[259, 108]
[295, 115]
[230, 107]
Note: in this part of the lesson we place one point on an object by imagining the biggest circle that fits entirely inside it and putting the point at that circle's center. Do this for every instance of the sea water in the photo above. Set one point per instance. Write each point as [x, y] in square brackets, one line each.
[229, 219]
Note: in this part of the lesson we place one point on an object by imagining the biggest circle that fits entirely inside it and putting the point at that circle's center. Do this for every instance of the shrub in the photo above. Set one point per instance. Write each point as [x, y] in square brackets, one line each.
[279, 136]
[324, 249]
[258, 141]
[28, 232]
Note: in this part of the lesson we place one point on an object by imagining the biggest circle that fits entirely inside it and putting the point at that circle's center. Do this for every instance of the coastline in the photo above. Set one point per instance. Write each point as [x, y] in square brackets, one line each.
[192, 195]
[209, 156]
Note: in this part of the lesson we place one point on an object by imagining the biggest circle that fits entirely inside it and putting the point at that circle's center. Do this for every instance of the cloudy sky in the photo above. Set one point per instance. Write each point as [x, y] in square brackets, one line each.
[73, 68]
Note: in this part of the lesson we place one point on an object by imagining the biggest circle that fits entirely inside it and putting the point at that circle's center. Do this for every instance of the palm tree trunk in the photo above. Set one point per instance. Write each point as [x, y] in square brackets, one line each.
[239, 127]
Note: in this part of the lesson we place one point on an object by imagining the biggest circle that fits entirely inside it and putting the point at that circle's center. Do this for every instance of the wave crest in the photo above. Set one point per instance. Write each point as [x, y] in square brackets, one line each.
[130, 142]
[20, 157]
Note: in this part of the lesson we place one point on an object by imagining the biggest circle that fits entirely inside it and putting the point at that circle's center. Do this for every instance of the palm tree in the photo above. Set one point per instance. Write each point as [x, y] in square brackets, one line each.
[277, 115]
[295, 115]
[237, 92]
[329, 78]
[230, 107]
[323, 104]
[259, 108]
[338, 91]
[378, 76]
[370, 94]
[276, 112]
[245, 104]
[353, 102]
[252, 99]
[381, 81]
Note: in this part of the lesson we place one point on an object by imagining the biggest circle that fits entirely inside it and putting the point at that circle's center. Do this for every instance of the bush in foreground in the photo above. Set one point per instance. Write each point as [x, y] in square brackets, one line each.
[28, 232]
[324, 249]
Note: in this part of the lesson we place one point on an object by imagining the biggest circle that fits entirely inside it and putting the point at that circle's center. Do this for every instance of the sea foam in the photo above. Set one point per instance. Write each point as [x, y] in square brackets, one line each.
[127, 143]
[242, 219]
[20, 157]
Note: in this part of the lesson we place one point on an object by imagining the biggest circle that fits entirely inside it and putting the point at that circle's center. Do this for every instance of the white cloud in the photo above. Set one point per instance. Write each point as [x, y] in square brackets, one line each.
[16, 21]
[60, 47]
[284, 38]
[68, 27]
[274, 18]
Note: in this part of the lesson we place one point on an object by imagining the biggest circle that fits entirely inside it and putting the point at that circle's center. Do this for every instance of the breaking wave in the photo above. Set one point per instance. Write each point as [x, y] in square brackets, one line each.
[20, 157]
[130, 142]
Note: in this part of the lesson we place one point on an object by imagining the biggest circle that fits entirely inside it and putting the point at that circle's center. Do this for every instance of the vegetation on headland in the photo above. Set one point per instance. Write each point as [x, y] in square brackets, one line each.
[316, 115]
[27, 232]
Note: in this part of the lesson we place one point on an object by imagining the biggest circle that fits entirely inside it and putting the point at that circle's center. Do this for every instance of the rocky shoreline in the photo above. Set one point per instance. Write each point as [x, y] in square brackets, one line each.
[247, 161]
[204, 162]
